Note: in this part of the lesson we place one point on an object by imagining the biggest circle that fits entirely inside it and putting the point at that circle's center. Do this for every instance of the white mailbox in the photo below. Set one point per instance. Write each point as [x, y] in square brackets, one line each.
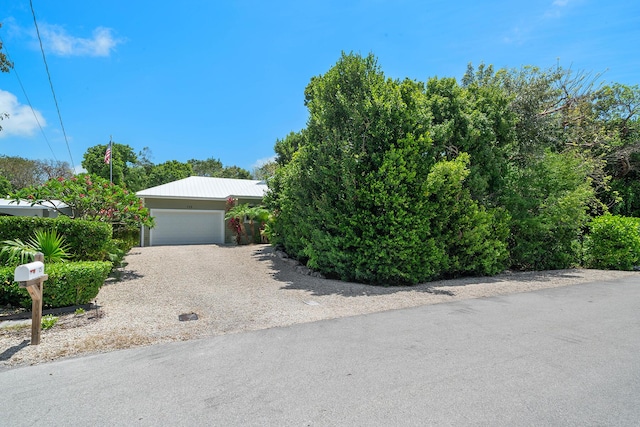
[27, 272]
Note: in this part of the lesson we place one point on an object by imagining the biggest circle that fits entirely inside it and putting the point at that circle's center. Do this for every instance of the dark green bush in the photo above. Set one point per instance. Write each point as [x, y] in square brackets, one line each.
[474, 238]
[613, 243]
[88, 240]
[376, 193]
[548, 202]
[70, 283]
[127, 238]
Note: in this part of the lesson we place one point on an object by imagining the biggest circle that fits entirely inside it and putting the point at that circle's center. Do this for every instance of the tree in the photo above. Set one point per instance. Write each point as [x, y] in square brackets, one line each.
[549, 201]
[265, 171]
[209, 167]
[285, 148]
[19, 171]
[473, 119]
[138, 176]
[5, 187]
[5, 64]
[90, 197]
[368, 194]
[213, 168]
[52, 169]
[235, 172]
[170, 171]
[23, 172]
[122, 159]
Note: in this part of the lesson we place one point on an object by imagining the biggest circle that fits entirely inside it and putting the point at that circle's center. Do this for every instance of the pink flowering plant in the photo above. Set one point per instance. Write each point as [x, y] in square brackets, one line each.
[234, 220]
[89, 197]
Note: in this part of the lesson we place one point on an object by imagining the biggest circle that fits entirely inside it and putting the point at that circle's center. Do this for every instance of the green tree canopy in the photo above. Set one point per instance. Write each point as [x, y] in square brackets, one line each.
[5, 187]
[122, 159]
[213, 168]
[23, 172]
[359, 197]
[396, 181]
[207, 167]
[170, 171]
[285, 148]
[265, 171]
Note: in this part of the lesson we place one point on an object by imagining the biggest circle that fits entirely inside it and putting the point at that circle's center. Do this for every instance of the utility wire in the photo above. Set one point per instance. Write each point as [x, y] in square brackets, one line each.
[35, 116]
[55, 100]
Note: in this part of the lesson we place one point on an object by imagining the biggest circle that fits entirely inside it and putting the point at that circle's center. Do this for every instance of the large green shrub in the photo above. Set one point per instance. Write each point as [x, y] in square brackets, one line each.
[87, 240]
[474, 238]
[377, 193]
[613, 243]
[549, 202]
[71, 283]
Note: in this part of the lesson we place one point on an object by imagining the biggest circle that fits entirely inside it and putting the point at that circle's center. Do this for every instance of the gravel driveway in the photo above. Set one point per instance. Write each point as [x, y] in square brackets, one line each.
[234, 289]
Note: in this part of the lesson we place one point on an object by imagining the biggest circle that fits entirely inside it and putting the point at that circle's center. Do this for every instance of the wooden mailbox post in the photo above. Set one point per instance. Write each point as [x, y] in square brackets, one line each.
[31, 276]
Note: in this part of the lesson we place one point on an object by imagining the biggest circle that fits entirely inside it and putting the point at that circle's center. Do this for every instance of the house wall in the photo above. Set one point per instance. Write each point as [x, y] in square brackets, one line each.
[154, 203]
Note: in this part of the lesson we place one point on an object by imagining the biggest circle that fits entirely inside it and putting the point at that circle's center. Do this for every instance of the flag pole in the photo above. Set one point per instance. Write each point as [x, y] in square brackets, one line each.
[111, 159]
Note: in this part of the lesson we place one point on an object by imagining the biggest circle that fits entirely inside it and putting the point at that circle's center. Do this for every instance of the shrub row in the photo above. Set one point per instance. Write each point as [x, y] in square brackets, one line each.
[88, 240]
[70, 283]
[613, 243]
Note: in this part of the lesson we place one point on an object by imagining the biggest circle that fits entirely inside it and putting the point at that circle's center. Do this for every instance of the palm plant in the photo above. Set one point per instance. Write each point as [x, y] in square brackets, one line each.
[259, 214]
[236, 216]
[48, 242]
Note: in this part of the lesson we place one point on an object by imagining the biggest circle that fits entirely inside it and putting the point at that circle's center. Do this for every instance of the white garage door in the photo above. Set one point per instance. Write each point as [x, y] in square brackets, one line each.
[186, 227]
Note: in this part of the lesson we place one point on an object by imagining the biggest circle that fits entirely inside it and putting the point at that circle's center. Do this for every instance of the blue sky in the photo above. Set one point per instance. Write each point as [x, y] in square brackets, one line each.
[200, 79]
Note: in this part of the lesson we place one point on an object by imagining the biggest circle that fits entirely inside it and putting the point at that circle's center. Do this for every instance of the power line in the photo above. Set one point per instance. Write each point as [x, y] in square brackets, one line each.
[55, 100]
[35, 116]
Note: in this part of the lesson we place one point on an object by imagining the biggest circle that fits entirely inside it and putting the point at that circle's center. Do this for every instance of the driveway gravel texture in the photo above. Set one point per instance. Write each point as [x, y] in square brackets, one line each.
[234, 289]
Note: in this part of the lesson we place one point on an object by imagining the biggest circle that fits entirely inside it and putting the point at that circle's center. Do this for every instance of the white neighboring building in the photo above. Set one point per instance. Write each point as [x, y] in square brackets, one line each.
[24, 208]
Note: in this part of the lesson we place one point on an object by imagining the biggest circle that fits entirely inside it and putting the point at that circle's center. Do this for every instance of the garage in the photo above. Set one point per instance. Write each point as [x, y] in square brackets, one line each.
[187, 227]
[191, 211]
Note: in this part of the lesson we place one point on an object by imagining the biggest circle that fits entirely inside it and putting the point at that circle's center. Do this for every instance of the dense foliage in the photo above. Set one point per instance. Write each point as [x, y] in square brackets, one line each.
[86, 240]
[91, 198]
[245, 222]
[136, 172]
[396, 182]
[71, 283]
[48, 242]
[371, 194]
[613, 243]
[17, 172]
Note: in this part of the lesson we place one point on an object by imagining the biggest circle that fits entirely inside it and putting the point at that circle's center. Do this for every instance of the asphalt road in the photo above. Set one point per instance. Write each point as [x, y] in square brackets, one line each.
[565, 356]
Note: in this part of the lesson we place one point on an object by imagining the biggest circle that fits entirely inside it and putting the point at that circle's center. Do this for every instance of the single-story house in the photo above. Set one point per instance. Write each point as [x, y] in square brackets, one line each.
[191, 210]
[24, 208]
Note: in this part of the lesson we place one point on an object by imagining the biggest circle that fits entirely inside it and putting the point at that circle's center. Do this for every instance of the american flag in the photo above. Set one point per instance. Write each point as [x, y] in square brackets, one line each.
[107, 155]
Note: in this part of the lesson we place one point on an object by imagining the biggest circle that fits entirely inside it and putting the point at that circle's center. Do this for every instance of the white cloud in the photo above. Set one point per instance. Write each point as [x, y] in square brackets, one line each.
[264, 161]
[557, 10]
[59, 42]
[21, 120]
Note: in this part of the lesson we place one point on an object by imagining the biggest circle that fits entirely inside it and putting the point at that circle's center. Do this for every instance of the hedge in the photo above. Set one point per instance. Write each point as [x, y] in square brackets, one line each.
[69, 283]
[88, 240]
[613, 243]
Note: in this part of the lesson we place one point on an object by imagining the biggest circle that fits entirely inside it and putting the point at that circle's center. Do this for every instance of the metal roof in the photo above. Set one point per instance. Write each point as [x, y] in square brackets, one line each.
[202, 187]
[26, 204]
